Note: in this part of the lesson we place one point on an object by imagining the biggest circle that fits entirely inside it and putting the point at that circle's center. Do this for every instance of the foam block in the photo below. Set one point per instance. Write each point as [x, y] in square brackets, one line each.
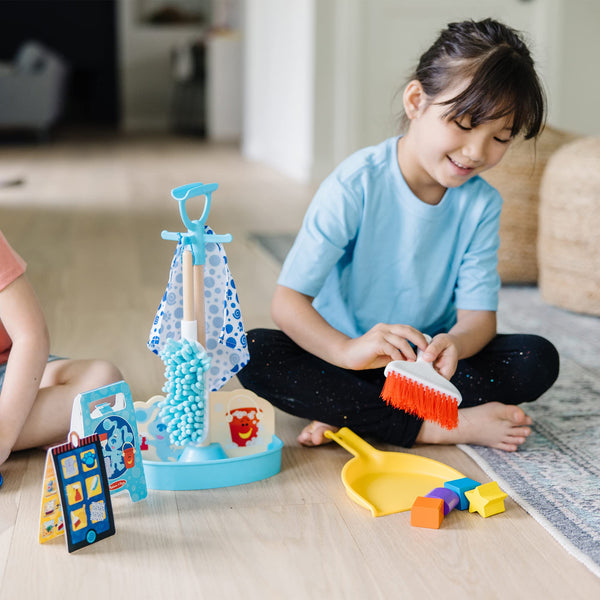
[486, 499]
[460, 486]
[427, 512]
[450, 498]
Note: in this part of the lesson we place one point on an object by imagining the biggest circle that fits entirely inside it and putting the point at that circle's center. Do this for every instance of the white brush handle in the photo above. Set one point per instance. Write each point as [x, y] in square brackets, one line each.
[419, 351]
[424, 373]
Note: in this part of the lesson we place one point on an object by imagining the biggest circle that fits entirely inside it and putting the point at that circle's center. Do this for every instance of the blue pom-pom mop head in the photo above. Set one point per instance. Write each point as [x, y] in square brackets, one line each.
[184, 409]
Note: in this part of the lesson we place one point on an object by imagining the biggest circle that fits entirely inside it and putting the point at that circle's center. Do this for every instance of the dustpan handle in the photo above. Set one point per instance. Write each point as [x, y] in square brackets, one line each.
[351, 442]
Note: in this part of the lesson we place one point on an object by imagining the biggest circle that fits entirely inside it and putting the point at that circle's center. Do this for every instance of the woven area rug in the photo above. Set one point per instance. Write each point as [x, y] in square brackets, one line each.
[555, 475]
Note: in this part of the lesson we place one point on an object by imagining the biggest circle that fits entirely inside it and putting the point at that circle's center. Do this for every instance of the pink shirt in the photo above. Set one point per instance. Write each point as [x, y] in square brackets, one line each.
[11, 267]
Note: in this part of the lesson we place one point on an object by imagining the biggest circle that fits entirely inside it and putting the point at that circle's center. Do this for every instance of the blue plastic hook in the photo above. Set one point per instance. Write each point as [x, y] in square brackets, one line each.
[196, 236]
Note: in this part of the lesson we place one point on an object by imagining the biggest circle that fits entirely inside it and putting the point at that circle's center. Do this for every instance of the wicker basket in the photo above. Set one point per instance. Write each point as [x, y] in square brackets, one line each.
[569, 234]
[517, 178]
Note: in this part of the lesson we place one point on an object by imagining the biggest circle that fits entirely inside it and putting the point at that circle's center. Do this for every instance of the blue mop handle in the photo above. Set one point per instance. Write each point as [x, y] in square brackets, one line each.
[196, 237]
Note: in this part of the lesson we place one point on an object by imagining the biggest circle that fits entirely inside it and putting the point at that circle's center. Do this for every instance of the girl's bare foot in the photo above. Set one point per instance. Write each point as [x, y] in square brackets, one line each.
[314, 434]
[497, 425]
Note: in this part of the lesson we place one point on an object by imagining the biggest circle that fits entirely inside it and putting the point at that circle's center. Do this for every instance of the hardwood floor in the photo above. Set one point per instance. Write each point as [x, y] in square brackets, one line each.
[88, 219]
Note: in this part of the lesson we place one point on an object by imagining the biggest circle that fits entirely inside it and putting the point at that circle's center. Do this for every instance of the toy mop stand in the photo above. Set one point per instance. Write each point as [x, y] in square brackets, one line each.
[241, 425]
[194, 438]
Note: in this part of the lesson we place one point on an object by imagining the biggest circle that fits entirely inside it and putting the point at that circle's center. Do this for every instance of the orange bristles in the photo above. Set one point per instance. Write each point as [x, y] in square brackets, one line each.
[420, 400]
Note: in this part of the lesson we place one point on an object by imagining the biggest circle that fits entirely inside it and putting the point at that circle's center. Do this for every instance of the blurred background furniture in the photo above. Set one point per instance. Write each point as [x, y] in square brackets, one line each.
[517, 178]
[32, 89]
[188, 94]
[569, 228]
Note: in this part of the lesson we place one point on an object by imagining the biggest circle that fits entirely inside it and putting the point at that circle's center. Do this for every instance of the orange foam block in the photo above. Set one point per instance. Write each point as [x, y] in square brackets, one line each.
[427, 512]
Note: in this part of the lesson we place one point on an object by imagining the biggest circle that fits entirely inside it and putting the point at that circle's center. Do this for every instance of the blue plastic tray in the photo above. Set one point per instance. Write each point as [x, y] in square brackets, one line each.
[214, 473]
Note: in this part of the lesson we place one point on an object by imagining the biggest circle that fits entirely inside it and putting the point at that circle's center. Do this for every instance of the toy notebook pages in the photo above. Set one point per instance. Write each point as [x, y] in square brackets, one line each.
[75, 495]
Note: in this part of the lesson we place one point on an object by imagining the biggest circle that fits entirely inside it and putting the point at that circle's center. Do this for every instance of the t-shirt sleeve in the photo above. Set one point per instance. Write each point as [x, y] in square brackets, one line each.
[330, 224]
[478, 279]
[11, 264]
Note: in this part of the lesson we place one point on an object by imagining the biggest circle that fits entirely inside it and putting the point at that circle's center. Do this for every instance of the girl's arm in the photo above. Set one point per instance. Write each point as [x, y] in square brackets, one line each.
[24, 322]
[473, 330]
[294, 314]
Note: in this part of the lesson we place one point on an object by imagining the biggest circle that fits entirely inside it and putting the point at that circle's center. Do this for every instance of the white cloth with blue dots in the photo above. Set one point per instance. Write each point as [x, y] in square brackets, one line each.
[225, 336]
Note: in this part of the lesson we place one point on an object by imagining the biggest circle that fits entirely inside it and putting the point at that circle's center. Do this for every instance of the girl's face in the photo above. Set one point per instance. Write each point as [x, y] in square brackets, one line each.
[445, 152]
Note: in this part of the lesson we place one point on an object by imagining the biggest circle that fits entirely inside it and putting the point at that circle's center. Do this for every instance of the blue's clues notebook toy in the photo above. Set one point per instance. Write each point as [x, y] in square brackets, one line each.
[108, 411]
[84, 510]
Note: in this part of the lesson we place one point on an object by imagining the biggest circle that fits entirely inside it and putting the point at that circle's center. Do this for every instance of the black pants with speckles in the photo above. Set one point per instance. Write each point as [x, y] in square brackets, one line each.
[511, 369]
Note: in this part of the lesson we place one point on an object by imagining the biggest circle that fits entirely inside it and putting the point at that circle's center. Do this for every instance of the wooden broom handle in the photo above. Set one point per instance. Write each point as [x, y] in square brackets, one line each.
[188, 286]
[193, 294]
[199, 302]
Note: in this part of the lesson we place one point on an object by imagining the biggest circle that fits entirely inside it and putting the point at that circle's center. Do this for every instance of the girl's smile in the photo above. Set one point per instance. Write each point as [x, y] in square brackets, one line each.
[461, 169]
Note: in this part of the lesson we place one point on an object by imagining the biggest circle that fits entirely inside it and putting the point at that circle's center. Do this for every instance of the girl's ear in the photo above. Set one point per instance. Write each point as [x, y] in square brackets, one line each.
[414, 99]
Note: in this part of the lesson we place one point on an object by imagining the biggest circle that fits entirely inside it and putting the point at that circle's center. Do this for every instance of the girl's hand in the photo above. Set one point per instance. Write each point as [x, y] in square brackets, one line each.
[443, 353]
[380, 345]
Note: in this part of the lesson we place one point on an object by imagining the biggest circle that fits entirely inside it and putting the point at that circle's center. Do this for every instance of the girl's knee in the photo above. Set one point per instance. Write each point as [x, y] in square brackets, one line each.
[98, 373]
[109, 372]
[542, 365]
[262, 338]
[547, 358]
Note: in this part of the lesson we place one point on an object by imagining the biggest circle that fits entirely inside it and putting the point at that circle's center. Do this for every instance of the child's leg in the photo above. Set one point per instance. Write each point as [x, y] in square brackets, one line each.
[305, 386]
[510, 370]
[49, 419]
[493, 424]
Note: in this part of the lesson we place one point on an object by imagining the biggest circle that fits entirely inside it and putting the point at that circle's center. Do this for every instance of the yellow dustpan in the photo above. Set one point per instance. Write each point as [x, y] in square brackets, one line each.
[388, 482]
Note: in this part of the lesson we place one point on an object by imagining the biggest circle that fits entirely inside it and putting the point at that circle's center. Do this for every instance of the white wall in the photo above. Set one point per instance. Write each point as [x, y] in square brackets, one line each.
[568, 52]
[575, 79]
[224, 87]
[279, 84]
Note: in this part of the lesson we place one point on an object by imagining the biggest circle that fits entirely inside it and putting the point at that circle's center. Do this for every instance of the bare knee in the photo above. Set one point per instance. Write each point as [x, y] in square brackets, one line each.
[81, 374]
[98, 373]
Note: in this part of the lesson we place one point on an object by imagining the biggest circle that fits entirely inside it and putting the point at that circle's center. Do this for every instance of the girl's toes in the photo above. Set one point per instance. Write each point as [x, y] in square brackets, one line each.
[306, 436]
[507, 447]
[314, 434]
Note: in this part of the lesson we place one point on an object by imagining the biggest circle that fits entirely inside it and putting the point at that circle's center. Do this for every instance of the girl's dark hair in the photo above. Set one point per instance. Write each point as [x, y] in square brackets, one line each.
[501, 71]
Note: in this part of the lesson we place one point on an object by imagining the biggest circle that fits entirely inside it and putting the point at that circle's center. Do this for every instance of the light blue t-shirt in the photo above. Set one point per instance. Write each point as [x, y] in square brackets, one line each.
[369, 251]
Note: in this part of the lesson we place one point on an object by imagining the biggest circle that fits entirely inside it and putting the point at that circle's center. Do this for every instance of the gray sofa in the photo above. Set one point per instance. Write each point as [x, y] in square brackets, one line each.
[32, 89]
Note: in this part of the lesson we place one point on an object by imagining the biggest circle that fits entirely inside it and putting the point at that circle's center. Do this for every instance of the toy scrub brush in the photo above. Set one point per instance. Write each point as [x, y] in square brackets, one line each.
[418, 389]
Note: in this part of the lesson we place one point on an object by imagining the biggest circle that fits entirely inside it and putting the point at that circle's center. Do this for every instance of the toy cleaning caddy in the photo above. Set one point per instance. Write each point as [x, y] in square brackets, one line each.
[196, 437]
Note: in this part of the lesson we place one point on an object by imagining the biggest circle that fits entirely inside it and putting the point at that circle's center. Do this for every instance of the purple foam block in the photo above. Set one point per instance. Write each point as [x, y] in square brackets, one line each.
[449, 497]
